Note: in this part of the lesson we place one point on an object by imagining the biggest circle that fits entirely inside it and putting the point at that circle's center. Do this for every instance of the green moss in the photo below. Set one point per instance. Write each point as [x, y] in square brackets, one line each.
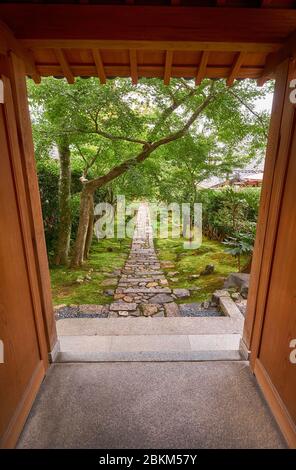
[189, 262]
[109, 255]
[102, 260]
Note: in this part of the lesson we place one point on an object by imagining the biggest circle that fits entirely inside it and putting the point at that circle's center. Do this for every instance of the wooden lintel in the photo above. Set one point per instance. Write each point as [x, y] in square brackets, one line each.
[133, 66]
[288, 50]
[60, 55]
[235, 68]
[99, 65]
[123, 70]
[202, 67]
[184, 23]
[168, 67]
[140, 45]
[8, 42]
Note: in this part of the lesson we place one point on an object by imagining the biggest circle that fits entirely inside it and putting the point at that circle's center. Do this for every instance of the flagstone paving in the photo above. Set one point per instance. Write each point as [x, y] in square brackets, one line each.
[143, 288]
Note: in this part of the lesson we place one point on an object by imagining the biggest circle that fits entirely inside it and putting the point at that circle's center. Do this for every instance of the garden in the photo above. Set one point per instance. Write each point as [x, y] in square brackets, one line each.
[150, 143]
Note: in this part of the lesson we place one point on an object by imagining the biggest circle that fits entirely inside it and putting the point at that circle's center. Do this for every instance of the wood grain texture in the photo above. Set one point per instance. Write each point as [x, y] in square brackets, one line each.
[57, 21]
[202, 68]
[133, 66]
[266, 229]
[276, 404]
[99, 65]
[280, 314]
[25, 353]
[24, 130]
[168, 67]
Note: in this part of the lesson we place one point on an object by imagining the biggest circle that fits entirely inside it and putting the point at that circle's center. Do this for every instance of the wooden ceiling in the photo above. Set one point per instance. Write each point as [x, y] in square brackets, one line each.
[231, 39]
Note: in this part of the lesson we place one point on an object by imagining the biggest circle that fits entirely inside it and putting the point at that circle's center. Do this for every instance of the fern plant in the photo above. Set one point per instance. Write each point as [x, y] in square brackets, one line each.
[239, 245]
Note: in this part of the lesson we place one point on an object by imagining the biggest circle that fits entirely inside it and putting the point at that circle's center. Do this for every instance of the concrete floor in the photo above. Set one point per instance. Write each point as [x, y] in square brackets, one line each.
[150, 405]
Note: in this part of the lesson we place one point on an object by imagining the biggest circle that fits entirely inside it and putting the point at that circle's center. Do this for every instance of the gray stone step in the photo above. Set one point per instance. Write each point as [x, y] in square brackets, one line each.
[149, 348]
[151, 356]
[149, 326]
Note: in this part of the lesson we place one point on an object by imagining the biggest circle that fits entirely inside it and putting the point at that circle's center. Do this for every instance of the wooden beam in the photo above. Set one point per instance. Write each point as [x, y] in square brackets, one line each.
[266, 3]
[155, 23]
[99, 65]
[177, 71]
[221, 3]
[133, 66]
[288, 50]
[202, 69]
[32, 66]
[168, 67]
[235, 68]
[250, 47]
[61, 57]
[8, 42]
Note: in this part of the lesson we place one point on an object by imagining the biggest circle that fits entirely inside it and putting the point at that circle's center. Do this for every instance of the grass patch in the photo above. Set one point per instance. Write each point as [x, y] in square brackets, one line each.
[189, 262]
[106, 256]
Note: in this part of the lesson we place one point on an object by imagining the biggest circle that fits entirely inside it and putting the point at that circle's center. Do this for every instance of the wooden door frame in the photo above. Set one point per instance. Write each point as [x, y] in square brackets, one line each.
[274, 177]
[19, 137]
[23, 122]
[270, 208]
[278, 155]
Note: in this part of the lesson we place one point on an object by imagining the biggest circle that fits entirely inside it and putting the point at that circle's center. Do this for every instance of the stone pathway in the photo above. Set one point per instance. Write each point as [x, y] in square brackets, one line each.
[143, 288]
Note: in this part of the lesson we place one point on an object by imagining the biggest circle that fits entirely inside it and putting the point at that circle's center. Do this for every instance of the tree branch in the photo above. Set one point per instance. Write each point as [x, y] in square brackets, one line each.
[148, 148]
[112, 137]
[169, 111]
[88, 164]
[257, 115]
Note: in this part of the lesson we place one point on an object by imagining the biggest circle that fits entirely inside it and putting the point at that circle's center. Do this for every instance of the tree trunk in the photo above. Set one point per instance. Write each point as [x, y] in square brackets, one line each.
[84, 216]
[90, 229]
[64, 229]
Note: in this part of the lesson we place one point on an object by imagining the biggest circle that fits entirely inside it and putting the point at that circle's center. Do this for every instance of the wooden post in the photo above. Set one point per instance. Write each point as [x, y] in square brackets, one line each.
[276, 162]
[23, 122]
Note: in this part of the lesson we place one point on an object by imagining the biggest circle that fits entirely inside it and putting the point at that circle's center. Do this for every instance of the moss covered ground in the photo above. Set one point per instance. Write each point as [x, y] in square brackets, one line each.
[106, 256]
[192, 262]
[109, 255]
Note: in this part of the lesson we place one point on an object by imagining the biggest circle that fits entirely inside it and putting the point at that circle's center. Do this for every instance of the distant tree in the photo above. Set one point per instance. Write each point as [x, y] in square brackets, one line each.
[191, 131]
[51, 111]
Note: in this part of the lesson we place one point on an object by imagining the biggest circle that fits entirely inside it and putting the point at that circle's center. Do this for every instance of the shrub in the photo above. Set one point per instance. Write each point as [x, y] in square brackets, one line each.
[227, 211]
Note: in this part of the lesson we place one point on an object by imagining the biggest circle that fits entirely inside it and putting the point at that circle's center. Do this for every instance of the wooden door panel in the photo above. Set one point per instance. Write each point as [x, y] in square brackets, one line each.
[23, 367]
[280, 317]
